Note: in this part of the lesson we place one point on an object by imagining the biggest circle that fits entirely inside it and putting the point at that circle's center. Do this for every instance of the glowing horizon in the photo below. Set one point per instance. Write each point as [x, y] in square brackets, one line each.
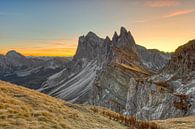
[52, 28]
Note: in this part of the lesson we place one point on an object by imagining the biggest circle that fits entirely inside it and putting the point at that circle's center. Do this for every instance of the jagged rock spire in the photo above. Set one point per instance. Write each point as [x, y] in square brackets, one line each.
[91, 46]
[125, 40]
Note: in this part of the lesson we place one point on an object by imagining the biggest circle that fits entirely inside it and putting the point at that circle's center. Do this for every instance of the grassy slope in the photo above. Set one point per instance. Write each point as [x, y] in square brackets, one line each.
[22, 108]
[178, 123]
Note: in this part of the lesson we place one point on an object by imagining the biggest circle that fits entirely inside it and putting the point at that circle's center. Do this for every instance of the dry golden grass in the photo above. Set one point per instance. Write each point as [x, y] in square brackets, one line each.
[133, 123]
[178, 123]
[22, 108]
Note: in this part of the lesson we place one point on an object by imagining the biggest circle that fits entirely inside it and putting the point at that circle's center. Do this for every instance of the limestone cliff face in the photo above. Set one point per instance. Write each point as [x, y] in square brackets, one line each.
[75, 82]
[93, 58]
[169, 93]
[153, 59]
[183, 60]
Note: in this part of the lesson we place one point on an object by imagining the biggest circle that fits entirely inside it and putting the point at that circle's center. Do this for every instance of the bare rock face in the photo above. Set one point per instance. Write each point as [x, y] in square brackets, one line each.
[90, 47]
[118, 74]
[4, 65]
[94, 54]
[131, 95]
[17, 60]
[75, 82]
[183, 60]
[169, 93]
[153, 59]
[12, 61]
[99, 72]
[124, 41]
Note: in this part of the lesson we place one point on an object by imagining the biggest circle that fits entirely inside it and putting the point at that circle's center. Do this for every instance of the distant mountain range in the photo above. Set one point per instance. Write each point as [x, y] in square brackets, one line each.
[114, 73]
[29, 71]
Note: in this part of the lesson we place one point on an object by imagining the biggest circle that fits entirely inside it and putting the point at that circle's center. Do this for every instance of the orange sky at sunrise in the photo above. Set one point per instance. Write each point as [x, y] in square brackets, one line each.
[53, 28]
[53, 48]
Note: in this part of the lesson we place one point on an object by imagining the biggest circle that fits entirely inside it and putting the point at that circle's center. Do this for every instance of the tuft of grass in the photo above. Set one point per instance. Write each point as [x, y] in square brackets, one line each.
[183, 103]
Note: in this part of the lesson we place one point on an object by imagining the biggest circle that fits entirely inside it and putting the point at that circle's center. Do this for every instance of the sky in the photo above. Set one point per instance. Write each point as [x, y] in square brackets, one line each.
[52, 27]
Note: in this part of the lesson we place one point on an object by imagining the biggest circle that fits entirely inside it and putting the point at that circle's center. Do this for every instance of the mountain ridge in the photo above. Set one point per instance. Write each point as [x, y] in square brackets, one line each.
[122, 76]
[127, 78]
[16, 68]
[92, 59]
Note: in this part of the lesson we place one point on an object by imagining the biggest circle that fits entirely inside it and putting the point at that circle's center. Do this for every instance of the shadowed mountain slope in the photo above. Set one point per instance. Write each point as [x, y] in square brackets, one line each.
[29, 71]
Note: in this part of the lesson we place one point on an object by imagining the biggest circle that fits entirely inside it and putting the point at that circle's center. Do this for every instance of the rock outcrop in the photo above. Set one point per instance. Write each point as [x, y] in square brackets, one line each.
[183, 60]
[100, 71]
[153, 59]
[115, 73]
[169, 93]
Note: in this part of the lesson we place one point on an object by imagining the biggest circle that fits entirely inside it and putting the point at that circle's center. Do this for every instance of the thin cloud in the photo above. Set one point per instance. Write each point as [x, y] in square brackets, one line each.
[67, 43]
[169, 15]
[162, 3]
[179, 12]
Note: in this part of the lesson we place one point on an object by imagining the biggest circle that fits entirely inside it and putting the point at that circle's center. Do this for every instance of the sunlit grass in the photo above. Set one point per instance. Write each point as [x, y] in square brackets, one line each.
[22, 108]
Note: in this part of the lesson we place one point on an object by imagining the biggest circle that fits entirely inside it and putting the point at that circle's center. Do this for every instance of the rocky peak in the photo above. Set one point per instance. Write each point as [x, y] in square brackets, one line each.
[123, 30]
[183, 60]
[115, 36]
[108, 63]
[16, 59]
[124, 41]
[107, 39]
[89, 47]
[186, 48]
[92, 35]
[13, 53]
[124, 48]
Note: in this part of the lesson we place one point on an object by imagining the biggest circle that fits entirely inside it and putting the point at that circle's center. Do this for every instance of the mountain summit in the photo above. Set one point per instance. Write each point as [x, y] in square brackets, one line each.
[94, 58]
[127, 78]
[17, 60]
[124, 41]
[117, 74]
